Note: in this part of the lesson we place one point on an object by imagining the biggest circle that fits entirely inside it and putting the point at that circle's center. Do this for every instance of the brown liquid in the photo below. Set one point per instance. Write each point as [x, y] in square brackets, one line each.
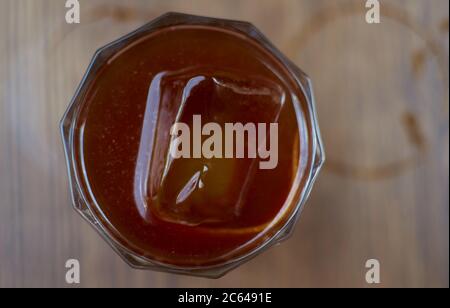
[154, 205]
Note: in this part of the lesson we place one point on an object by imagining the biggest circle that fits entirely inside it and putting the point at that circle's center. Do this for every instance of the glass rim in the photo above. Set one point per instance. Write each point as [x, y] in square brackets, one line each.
[316, 151]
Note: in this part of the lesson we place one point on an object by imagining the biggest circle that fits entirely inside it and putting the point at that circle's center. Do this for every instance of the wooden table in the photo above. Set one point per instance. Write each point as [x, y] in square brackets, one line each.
[382, 95]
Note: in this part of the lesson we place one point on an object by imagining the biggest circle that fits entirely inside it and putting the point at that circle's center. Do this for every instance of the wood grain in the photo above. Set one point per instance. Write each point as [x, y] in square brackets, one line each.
[382, 96]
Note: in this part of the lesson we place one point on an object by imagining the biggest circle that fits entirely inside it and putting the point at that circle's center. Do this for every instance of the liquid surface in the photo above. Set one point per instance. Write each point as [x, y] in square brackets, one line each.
[188, 211]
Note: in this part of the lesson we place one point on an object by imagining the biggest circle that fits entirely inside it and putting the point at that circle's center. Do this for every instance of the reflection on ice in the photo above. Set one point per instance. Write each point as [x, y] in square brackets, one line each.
[199, 190]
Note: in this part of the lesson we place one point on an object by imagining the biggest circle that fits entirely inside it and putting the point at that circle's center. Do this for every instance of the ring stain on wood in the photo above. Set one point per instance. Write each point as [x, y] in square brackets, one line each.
[432, 48]
[116, 13]
[414, 132]
[418, 60]
[444, 27]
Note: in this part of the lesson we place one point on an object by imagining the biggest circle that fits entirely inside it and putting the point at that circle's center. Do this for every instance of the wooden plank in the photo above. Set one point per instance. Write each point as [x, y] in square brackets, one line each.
[382, 96]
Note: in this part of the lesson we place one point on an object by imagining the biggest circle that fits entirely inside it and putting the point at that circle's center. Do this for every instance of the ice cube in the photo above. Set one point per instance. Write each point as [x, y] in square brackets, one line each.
[192, 190]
